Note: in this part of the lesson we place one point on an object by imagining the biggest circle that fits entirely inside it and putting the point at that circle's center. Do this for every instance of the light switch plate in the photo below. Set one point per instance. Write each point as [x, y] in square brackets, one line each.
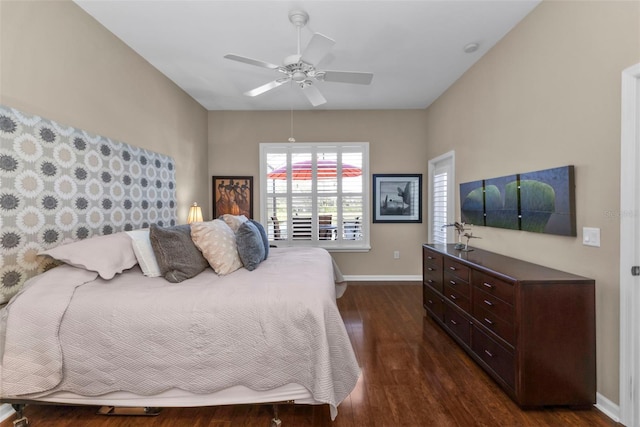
[591, 236]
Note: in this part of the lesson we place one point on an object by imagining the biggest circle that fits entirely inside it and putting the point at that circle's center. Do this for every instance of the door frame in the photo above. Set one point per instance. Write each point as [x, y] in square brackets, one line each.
[629, 248]
[450, 157]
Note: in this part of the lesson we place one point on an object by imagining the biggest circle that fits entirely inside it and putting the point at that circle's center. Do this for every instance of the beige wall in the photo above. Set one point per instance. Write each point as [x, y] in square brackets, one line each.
[59, 63]
[396, 145]
[549, 95]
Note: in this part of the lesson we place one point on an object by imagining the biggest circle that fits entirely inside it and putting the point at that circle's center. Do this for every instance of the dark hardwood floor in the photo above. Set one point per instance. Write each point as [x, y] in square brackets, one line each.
[413, 374]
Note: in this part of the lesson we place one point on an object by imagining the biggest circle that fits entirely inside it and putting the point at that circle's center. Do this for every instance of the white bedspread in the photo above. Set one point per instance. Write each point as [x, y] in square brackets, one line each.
[279, 324]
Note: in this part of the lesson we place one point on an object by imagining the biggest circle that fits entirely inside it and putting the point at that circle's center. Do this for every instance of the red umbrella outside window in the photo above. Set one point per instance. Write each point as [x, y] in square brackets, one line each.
[304, 170]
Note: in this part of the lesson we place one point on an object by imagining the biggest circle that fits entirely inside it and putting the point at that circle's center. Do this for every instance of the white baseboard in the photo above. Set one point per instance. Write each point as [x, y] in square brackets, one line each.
[5, 411]
[374, 278]
[607, 407]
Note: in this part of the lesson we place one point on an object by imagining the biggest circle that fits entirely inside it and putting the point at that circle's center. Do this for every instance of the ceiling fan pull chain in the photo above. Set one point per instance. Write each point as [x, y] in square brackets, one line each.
[291, 138]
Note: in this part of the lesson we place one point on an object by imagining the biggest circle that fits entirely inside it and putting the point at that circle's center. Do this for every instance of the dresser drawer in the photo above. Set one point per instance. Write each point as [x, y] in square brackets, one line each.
[457, 324]
[456, 297]
[432, 269]
[460, 285]
[500, 360]
[432, 276]
[493, 286]
[433, 302]
[456, 268]
[505, 330]
[493, 305]
[432, 257]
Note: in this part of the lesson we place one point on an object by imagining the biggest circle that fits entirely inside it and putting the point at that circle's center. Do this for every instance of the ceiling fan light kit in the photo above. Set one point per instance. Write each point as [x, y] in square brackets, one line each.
[301, 67]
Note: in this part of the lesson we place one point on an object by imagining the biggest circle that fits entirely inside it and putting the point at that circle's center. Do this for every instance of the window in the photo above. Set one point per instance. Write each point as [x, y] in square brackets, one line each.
[441, 202]
[316, 194]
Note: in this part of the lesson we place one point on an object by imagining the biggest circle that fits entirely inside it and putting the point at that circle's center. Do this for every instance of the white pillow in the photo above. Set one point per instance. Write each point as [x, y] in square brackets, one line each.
[217, 242]
[107, 255]
[144, 252]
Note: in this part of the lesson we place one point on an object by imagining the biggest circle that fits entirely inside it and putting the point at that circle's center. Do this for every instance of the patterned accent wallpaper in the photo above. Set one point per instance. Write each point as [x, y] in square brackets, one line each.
[59, 184]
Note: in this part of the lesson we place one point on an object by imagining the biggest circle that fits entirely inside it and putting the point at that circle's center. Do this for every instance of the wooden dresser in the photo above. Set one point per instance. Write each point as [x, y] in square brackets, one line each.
[532, 328]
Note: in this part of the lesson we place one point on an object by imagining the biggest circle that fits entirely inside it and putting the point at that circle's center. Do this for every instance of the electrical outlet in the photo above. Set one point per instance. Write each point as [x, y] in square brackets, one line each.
[396, 254]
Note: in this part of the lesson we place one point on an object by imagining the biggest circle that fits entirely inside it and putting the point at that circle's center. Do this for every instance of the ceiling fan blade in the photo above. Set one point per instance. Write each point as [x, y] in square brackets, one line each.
[317, 49]
[250, 61]
[348, 77]
[313, 95]
[266, 87]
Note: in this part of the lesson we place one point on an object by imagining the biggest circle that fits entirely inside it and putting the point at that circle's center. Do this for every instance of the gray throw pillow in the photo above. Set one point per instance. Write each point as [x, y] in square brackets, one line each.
[265, 238]
[250, 246]
[178, 257]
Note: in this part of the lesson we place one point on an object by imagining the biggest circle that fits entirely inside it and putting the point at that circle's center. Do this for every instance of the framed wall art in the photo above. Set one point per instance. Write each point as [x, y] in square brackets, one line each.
[397, 198]
[232, 195]
[541, 201]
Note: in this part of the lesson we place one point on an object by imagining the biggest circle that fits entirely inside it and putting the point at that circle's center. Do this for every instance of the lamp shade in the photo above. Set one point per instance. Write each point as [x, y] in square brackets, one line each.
[195, 214]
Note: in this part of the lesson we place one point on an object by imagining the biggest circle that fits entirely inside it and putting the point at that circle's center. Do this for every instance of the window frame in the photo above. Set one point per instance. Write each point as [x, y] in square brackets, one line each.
[339, 244]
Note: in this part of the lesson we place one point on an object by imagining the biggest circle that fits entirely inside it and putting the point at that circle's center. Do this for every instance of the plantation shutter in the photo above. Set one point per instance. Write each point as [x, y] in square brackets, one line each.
[315, 194]
[441, 198]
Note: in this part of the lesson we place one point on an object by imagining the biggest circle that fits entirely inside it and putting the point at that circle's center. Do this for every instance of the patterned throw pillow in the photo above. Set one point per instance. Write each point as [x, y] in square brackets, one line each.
[217, 242]
[233, 221]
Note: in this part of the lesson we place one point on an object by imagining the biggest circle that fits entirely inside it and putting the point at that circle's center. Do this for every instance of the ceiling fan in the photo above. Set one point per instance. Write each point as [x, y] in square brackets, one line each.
[301, 67]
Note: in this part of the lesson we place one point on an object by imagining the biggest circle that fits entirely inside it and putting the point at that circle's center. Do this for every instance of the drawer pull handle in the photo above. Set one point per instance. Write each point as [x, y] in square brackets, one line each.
[453, 297]
[488, 285]
[429, 268]
[489, 322]
[430, 302]
[488, 353]
[453, 282]
[452, 268]
[489, 303]
[430, 257]
[429, 281]
[453, 322]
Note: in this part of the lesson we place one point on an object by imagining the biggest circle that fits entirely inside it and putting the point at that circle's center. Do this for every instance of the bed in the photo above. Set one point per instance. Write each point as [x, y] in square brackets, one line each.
[83, 321]
[273, 334]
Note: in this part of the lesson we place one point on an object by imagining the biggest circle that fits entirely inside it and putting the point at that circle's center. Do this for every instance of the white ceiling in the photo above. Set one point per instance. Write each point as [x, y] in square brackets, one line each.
[414, 48]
